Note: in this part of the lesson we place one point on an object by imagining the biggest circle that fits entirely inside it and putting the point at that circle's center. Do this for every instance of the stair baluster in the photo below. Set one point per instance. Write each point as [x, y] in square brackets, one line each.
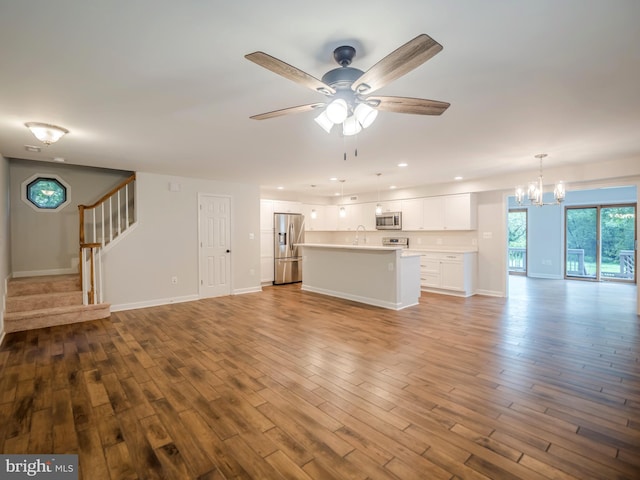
[99, 237]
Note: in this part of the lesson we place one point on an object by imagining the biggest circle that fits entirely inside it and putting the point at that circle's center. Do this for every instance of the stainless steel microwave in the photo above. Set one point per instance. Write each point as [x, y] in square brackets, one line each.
[389, 221]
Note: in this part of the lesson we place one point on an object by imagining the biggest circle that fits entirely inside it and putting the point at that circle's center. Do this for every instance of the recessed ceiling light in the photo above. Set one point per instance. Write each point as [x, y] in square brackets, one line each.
[403, 164]
[392, 187]
[333, 179]
[457, 178]
[280, 188]
[32, 148]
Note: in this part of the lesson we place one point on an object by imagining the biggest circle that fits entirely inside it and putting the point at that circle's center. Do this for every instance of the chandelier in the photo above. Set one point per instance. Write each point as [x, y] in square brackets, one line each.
[535, 191]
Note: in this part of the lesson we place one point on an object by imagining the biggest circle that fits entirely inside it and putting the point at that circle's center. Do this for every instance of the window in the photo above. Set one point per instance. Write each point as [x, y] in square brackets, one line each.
[518, 241]
[45, 192]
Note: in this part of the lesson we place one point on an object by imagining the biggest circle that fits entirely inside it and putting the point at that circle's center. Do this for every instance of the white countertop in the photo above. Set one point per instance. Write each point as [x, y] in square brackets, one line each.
[407, 252]
[443, 249]
[348, 246]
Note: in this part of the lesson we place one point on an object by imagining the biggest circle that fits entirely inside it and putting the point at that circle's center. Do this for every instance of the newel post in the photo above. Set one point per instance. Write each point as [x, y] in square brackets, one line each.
[81, 216]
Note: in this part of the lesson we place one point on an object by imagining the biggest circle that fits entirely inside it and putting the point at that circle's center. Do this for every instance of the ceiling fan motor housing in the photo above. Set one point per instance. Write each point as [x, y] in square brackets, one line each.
[342, 77]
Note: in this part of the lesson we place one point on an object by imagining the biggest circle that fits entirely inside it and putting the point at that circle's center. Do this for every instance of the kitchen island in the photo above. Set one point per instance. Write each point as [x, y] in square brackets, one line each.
[376, 275]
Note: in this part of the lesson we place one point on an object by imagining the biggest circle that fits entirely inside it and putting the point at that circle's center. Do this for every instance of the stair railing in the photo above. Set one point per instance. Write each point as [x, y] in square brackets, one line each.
[91, 282]
[100, 224]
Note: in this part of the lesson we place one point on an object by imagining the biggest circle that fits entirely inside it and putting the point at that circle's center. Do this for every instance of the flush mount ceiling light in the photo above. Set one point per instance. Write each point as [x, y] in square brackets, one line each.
[535, 190]
[348, 90]
[45, 132]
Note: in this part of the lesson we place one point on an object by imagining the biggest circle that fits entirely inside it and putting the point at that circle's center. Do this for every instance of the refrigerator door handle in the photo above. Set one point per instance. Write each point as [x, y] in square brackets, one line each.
[291, 236]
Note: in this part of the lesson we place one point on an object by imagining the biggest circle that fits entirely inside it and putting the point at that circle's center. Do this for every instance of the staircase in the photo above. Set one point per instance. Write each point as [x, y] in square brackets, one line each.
[39, 302]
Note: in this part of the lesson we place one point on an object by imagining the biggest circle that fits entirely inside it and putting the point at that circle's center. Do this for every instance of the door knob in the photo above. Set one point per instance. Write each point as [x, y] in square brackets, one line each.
[228, 251]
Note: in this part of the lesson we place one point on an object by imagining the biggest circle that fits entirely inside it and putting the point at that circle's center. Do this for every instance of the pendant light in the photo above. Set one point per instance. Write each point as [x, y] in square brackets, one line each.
[535, 190]
[379, 205]
[343, 211]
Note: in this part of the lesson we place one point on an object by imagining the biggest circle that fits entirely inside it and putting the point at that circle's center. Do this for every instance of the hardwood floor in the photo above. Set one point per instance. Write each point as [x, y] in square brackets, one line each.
[290, 384]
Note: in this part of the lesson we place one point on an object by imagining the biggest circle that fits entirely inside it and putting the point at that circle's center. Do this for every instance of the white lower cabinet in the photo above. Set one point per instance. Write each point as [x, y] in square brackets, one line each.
[452, 273]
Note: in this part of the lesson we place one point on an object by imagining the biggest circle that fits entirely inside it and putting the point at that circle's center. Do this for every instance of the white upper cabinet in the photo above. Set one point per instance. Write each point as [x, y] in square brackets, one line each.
[348, 221]
[433, 214]
[413, 214]
[391, 206]
[460, 212]
[331, 217]
[315, 217]
[368, 216]
[280, 206]
[445, 212]
[450, 212]
[266, 215]
[355, 215]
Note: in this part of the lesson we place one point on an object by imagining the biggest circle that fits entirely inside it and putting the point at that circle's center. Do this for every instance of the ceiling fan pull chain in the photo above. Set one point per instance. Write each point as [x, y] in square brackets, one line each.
[356, 149]
[344, 147]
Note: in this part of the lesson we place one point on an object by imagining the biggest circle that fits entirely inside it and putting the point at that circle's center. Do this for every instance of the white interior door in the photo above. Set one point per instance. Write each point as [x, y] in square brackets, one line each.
[215, 246]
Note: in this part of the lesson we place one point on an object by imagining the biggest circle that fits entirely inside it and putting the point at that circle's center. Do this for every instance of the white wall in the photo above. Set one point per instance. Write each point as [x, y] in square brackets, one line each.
[546, 226]
[492, 243]
[138, 270]
[5, 237]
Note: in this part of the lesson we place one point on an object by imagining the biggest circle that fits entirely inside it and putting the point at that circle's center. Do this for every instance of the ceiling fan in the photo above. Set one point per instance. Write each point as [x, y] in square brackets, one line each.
[348, 90]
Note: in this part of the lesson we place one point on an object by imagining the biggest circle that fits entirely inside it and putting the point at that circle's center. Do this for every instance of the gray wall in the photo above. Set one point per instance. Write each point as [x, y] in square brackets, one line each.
[5, 237]
[47, 241]
[164, 243]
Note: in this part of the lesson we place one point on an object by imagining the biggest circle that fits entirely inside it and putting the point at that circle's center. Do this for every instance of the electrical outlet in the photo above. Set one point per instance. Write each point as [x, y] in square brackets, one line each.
[174, 280]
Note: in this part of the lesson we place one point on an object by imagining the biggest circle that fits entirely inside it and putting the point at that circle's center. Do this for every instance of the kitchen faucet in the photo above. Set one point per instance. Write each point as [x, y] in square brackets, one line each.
[364, 230]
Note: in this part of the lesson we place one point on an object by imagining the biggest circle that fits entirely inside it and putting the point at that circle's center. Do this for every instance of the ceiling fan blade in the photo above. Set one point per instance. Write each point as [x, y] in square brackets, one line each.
[290, 72]
[418, 106]
[287, 111]
[398, 63]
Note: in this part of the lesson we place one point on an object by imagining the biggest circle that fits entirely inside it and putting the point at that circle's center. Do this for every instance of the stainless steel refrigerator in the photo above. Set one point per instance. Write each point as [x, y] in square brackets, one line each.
[289, 231]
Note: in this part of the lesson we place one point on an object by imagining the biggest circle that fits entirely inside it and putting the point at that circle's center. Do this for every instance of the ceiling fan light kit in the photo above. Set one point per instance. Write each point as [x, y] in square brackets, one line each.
[347, 89]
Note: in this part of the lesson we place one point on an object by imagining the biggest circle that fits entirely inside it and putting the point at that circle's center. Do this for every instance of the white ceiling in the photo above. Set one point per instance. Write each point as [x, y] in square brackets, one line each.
[163, 86]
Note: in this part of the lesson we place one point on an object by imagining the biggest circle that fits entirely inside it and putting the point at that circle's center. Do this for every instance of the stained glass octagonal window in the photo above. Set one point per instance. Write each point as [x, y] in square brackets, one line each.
[45, 192]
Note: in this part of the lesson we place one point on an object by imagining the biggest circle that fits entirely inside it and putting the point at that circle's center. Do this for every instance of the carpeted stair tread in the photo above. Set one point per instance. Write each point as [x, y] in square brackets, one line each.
[48, 317]
[38, 301]
[43, 284]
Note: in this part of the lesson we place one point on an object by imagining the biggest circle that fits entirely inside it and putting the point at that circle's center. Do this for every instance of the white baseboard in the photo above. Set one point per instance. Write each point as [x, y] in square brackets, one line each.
[242, 291]
[549, 276]
[491, 293]
[356, 298]
[2, 310]
[42, 273]
[153, 303]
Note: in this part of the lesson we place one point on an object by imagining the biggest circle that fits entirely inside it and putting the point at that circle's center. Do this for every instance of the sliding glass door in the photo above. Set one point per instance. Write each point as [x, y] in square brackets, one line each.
[600, 242]
[618, 227]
